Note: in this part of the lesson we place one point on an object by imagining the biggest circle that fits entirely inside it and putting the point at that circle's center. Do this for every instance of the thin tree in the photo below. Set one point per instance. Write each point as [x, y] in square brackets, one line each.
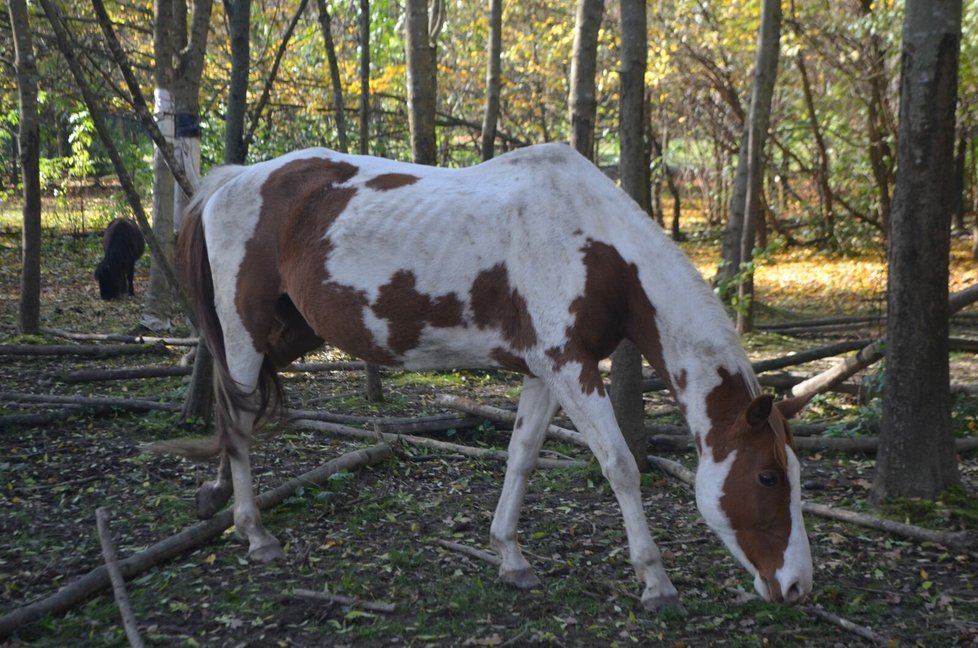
[762, 93]
[421, 31]
[374, 384]
[239, 35]
[916, 456]
[29, 146]
[582, 101]
[493, 81]
[326, 25]
[626, 363]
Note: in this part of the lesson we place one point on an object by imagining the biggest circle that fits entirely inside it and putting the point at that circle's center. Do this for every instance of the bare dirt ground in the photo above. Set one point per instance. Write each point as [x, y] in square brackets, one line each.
[371, 534]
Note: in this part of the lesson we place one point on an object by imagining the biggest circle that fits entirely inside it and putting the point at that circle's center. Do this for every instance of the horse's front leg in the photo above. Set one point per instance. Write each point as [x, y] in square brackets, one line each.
[212, 496]
[536, 408]
[594, 417]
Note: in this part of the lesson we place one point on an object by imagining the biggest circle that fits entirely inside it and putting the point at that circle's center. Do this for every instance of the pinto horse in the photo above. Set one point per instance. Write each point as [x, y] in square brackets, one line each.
[533, 262]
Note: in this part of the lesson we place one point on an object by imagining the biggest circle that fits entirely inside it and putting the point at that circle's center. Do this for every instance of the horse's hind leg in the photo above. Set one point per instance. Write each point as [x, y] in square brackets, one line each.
[594, 418]
[244, 366]
[536, 408]
[213, 495]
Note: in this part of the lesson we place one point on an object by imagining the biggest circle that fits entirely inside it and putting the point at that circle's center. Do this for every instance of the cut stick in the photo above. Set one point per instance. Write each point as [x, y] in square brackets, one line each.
[187, 540]
[341, 599]
[485, 556]
[845, 624]
[952, 539]
[468, 451]
[118, 582]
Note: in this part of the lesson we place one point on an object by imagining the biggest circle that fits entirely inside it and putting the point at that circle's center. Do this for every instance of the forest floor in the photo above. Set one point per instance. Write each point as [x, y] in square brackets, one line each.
[372, 534]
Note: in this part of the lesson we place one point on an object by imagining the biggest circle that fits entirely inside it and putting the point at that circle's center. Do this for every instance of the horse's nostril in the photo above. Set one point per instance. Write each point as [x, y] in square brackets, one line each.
[794, 593]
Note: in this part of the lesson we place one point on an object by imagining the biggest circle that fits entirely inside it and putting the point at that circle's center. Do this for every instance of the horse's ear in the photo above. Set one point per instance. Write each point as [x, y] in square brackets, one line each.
[790, 407]
[759, 410]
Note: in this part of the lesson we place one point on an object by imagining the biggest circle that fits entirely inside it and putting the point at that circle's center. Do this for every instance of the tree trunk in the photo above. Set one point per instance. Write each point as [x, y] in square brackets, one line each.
[364, 81]
[326, 24]
[880, 154]
[765, 74]
[239, 21]
[29, 142]
[157, 307]
[420, 82]
[626, 366]
[822, 162]
[583, 104]
[916, 455]
[493, 72]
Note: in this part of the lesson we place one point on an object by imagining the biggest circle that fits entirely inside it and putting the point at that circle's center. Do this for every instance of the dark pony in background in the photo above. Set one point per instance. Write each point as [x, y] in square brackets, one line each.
[122, 245]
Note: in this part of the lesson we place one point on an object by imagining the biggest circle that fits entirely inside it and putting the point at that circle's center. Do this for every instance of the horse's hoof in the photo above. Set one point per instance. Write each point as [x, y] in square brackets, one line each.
[669, 604]
[210, 498]
[267, 554]
[523, 579]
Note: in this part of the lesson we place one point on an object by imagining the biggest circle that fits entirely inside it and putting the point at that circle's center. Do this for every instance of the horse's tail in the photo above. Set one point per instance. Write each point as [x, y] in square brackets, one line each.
[230, 397]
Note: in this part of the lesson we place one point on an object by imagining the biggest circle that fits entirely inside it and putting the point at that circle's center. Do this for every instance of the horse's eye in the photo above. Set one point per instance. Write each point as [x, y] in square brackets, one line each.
[768, 479]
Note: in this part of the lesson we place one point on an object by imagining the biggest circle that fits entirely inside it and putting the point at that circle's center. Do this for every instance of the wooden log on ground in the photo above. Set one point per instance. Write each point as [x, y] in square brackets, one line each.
[866, 445]
[116, 579]
[506, 416]
[427, 424]
[84, 350]
[189, 539]
[819, 322]
[128, 404]
[332, 598]
[953, 539]
[118, 337]
[132, 373]
[468, 451]
[870, 354]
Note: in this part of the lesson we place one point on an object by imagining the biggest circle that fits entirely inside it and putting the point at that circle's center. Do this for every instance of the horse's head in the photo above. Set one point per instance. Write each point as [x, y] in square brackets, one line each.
[748, 489]
[111, 283]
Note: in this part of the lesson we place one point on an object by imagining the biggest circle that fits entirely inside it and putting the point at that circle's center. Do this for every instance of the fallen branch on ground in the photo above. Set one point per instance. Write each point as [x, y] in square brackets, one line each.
[133, 373]
[329, 597]
[870, 353]
[129, 404]
[468, 451]
[117, 337]
[118, 582]
[742, 597]
[505, 416]
[190, 538]
[953, 539]
[86, 350]
[325, 366]
[486, 556]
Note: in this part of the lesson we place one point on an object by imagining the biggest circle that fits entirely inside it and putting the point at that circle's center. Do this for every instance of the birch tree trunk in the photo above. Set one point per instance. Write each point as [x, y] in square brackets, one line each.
[916, 455]
[159, 299]
[29, 144]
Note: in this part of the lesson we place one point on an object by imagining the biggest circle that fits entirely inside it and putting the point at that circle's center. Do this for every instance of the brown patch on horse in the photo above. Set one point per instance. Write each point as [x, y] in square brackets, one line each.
[758, 513]
[409, 311]
[508, 360]
[614, 306]
[287, 255]
[495, 304]
[291, 336]
[388, 181]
